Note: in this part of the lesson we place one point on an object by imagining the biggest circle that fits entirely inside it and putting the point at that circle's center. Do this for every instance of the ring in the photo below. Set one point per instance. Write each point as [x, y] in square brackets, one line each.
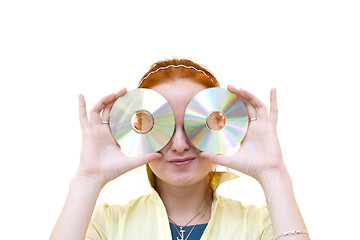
[253, 119]
[104, 122]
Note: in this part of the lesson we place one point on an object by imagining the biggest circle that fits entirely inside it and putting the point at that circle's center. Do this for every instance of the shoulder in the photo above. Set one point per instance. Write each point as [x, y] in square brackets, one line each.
[246, 211]
[106, 210]
[238, 218]
[235, 203]
[108, 219]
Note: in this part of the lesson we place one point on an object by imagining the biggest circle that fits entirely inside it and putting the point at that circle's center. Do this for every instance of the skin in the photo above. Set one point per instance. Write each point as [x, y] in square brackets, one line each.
[101, 161]
[181, 174]
[179, 148]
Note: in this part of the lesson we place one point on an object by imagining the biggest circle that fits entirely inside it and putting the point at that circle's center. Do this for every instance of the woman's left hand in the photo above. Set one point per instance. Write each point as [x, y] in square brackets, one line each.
[260, 153]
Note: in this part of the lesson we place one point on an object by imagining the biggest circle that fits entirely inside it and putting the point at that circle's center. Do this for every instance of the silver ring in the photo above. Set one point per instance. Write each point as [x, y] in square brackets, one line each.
[253, 119]
[104, 122]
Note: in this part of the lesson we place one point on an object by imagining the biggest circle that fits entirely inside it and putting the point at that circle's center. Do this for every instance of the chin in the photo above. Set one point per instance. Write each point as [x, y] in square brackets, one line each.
[183, 175]
[183, 179]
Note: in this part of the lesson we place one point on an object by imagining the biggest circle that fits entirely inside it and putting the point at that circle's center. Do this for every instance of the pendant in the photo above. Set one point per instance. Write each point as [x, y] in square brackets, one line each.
[181, 235]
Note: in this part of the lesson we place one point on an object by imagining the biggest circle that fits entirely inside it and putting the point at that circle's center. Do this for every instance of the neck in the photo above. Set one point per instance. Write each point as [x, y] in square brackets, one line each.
[184, 202]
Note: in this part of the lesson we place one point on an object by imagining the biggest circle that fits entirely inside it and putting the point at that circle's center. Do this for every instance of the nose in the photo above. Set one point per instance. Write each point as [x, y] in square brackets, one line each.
[179, 141]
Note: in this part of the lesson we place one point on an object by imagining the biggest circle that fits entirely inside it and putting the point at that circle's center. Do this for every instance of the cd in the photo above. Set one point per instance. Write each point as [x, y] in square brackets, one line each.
[142, 121]
[216, 121]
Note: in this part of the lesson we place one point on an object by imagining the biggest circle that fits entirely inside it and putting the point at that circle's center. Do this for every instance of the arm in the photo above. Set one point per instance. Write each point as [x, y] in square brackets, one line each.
[260, 157]
[284, 211]
[76, 213]
[101, 161]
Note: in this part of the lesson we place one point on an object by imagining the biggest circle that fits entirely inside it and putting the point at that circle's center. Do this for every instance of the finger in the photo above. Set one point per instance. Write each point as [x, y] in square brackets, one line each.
[232, 89]
[217, 159]
[144, 159]
[106, 112]
[151, 157]
[100, 106]
[121, 93]
[273, 116]
[84, 121]
[261, 111]
[250, 109]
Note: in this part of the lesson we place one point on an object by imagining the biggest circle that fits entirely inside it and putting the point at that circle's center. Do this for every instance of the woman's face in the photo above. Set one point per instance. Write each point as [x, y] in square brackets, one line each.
[180, 164]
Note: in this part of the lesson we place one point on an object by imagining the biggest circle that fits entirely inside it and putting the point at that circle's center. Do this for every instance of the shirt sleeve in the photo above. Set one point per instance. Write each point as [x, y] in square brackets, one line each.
[264, 223]
[99, 223]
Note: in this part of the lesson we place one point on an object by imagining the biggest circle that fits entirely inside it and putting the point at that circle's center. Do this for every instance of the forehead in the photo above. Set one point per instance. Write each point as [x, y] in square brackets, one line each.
[178, 92]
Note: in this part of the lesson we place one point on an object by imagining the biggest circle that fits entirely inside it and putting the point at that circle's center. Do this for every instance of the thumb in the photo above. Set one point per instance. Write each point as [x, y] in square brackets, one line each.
[152, 156]
[149, 157]
[217, 159]
[131, 163]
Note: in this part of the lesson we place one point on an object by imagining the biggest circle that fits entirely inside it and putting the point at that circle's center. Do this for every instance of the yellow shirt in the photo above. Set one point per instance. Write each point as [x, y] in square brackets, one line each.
[146, 218]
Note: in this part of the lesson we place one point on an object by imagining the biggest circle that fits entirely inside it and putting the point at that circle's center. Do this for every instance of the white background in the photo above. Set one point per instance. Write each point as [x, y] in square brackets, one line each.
[50, 51]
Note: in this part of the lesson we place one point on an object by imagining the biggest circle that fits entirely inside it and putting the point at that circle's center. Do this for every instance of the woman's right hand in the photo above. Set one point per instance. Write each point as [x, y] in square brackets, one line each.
[101, 157]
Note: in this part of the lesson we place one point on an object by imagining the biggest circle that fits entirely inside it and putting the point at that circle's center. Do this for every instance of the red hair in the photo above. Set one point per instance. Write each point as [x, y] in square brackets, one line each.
[170, 70]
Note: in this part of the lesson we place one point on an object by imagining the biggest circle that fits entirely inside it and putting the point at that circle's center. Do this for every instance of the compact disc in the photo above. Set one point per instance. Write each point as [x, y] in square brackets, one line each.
[216, 121]
[142, 121]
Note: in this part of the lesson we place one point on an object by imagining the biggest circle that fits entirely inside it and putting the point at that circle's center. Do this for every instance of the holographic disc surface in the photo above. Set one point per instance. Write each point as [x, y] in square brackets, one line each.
[216, 121]
[142, 121]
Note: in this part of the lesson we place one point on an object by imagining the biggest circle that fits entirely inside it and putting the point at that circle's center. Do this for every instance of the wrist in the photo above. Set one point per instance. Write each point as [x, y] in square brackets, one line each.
[87, 181]
[284, 211]
[275, 178]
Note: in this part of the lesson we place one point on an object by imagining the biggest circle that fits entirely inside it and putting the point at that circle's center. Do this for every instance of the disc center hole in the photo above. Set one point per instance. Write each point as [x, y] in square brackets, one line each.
[216, 121]
[142, 121]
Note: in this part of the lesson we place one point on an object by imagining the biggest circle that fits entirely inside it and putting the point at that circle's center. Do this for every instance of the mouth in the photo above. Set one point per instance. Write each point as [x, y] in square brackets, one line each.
[182, 162]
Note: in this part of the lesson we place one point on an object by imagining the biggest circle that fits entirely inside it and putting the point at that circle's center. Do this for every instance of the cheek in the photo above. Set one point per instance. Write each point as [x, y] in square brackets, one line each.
[207, 165]
[155, 165]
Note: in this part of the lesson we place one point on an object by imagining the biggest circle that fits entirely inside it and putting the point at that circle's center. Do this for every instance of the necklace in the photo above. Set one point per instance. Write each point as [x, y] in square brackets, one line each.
[181, 231]
[206, 204]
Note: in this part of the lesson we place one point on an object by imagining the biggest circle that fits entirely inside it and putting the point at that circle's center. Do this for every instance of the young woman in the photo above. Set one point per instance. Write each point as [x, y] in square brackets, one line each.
[183, 203]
